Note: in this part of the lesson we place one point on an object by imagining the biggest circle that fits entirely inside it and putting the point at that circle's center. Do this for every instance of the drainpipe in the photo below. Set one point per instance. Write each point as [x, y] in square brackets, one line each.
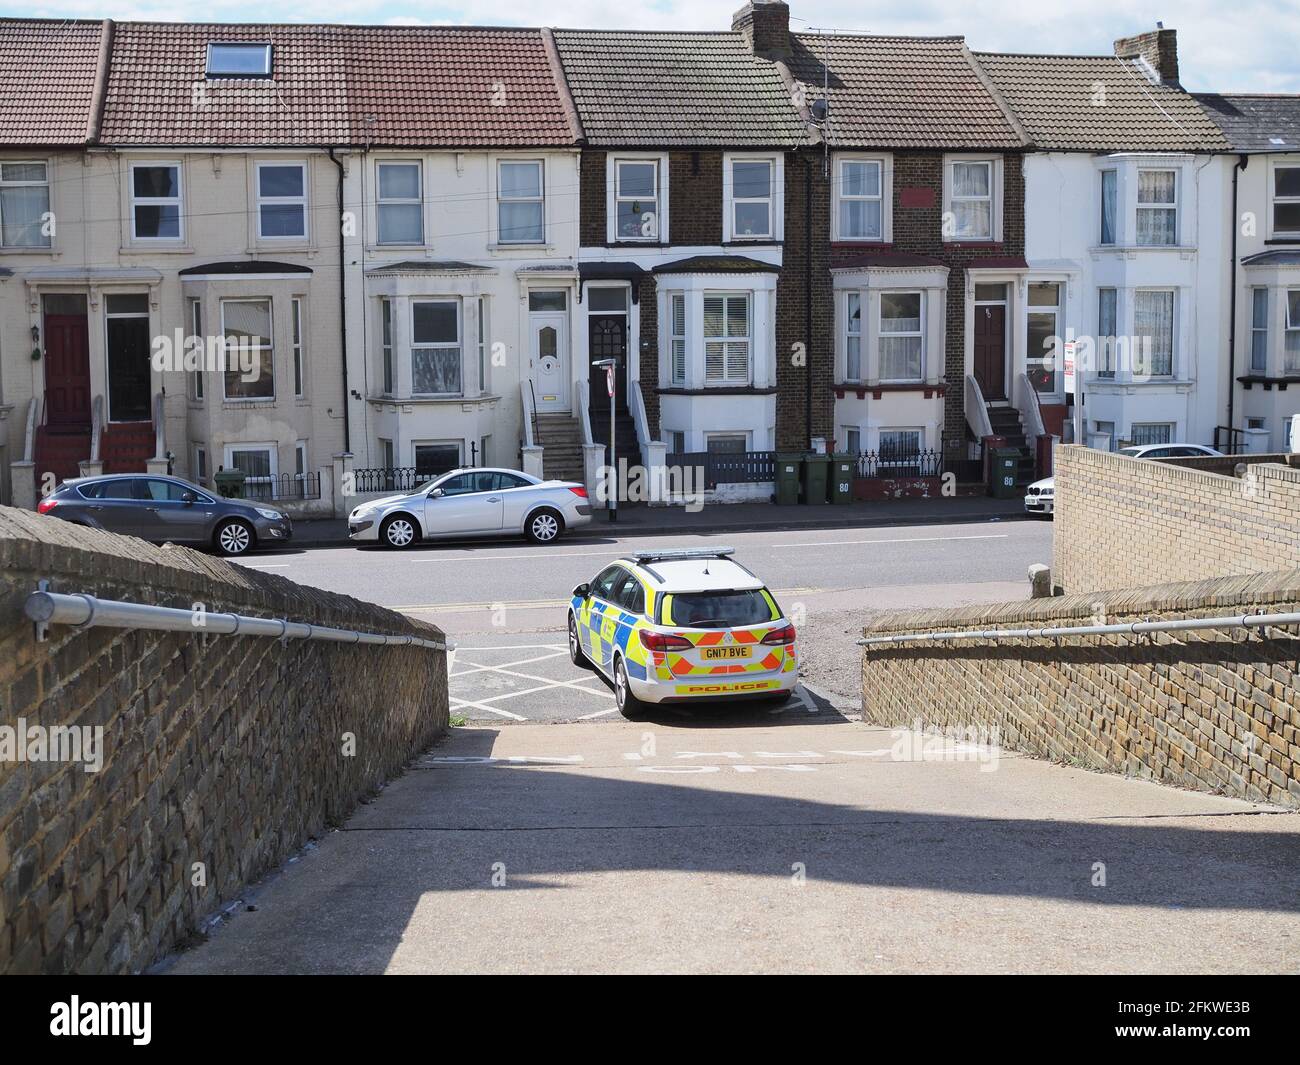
[807, 297]
[343, 312]
[1243, 160]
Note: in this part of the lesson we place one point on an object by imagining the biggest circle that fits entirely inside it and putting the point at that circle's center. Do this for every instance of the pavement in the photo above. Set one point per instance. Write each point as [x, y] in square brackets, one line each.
[644, 520]
[808, 845]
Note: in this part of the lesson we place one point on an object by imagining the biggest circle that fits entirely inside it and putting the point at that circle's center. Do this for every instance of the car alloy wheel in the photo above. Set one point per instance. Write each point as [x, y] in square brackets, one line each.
[575, 649]
[544, 527]
[399, 532]
[234, 538]
[620, 686]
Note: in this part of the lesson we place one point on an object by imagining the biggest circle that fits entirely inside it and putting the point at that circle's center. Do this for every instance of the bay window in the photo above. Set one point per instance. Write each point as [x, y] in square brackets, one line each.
[1109, 205]
[853, 336]
[902, 338]
[1107, 327]
[726, 338]
[435, 348]
[677, 338]
[1259, 330]
[1153, 327]
[1291, 352]
[250, 349]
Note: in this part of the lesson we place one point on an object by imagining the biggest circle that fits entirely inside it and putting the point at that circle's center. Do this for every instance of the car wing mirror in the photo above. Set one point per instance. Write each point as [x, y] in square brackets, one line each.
[436, 493]
[188, 497]
[582, 591]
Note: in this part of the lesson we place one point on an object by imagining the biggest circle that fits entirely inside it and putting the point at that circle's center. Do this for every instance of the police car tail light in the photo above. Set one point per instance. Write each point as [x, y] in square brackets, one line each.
[660, 641]
[781, 636]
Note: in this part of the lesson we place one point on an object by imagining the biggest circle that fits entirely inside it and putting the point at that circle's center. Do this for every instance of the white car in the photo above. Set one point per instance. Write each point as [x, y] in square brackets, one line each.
[471, 503]
[1169, 451]
[1040, 496]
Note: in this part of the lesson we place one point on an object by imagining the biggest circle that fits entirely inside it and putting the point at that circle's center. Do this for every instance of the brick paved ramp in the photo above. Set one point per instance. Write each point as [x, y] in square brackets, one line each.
[799, 846]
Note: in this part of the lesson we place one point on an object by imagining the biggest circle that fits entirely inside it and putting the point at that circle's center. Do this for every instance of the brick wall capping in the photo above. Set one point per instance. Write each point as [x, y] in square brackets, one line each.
[1217, 595]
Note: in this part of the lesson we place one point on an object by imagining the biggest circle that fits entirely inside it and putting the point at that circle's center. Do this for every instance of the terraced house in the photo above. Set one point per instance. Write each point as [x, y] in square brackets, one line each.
[423, 240]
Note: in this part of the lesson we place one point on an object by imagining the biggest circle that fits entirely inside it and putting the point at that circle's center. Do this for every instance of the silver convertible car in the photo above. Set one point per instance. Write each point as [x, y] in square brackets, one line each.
[478, 502]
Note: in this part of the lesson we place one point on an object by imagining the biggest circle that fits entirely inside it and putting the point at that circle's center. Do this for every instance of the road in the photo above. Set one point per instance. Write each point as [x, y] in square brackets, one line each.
[504, 602]
[811, 846]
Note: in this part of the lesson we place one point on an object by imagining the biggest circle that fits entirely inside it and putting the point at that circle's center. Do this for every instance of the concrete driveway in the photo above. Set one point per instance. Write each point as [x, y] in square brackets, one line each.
[806, 845]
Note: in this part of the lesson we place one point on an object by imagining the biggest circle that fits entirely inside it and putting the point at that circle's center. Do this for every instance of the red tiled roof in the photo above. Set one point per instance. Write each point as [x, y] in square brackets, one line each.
[388, 86]
[47, 80]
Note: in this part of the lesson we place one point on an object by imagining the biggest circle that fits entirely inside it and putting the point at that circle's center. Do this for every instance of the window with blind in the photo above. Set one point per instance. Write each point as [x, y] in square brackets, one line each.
[1157, 207]
[902, 343]
[677, 338]
[1153, 326]
[726, 339]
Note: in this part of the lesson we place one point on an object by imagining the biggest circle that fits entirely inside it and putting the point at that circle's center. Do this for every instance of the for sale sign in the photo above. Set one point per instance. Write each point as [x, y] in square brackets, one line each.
[1069, 354]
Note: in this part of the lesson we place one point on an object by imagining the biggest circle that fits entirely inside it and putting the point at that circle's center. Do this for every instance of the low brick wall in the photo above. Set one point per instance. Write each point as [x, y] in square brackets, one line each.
[1229, 464]
[1213, 710]
[1125, 523]
[221, 755]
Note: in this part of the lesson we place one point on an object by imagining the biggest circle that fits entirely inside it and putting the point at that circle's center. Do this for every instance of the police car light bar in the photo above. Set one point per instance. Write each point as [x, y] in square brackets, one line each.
[673, 554]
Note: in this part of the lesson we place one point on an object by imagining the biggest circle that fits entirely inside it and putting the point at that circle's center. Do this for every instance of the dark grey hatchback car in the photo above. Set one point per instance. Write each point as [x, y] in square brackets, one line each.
[166, 508]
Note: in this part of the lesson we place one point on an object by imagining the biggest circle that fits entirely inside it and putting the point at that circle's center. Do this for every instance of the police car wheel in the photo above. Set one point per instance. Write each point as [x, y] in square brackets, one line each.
[628, 704]
[576, 655]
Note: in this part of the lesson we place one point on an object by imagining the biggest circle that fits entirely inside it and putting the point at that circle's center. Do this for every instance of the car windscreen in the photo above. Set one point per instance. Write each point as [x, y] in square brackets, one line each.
[720, 610]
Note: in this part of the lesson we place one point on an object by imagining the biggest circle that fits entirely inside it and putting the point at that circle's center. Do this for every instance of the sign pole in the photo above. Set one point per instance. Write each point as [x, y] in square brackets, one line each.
[1073, 386]
[611, 495]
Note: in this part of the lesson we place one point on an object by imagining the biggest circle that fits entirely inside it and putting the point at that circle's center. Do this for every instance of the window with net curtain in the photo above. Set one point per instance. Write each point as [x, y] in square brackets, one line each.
[1109, 205]
[24, 203]
[1107, 325]
[1153, 328]
[1258, 330]
[901, 340]
[246, 326]
[435, 348]
[726, 338]
[860, 200]
[853, 337]
[1157, 211]
[972, 200]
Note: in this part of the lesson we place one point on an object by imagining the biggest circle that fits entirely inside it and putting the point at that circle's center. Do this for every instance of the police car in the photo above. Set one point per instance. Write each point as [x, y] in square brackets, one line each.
[682, 625]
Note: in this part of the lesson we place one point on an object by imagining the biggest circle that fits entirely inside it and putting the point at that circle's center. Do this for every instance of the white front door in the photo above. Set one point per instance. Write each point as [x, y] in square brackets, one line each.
[549, 340]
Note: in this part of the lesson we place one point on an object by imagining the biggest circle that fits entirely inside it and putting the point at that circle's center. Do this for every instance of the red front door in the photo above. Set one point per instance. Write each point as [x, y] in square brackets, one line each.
[991, 350]
[67, 370]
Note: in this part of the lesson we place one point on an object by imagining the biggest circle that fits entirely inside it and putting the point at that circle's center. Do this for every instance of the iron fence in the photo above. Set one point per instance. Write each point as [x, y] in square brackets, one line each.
[283, 486]
[390, 479]
[898, 462]
[727, 467]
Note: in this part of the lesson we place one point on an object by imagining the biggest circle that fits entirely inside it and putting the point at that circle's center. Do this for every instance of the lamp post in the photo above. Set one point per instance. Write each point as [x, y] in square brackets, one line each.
[611, 495]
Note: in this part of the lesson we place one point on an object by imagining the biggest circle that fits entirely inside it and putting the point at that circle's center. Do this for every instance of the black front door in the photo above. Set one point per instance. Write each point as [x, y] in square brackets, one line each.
[607, 339]
[128, 358]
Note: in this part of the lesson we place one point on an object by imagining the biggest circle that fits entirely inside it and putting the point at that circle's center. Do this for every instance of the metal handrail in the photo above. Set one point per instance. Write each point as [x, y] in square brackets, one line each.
[159, 427]
[1248, 621]
[54, 608]
[96, 426]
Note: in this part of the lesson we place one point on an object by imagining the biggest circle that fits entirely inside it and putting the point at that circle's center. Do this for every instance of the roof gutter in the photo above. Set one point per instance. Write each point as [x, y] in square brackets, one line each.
[562, 86]
[95, 120]
[343, 309]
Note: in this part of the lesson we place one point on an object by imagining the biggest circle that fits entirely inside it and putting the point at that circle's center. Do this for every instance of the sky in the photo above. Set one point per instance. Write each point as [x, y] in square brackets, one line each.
[1239, 46]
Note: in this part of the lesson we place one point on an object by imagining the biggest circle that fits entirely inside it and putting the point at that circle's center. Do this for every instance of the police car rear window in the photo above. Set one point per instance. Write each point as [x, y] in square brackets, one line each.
[719, 610]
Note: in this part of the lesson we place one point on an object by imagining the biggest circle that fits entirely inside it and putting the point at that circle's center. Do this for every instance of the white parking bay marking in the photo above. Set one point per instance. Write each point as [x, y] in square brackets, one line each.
[461, 704]
[902, 540]
[518, 662]
[476, 557]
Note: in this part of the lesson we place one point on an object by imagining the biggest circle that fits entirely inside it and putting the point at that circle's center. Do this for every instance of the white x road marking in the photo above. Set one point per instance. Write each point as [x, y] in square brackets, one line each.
[543, 684]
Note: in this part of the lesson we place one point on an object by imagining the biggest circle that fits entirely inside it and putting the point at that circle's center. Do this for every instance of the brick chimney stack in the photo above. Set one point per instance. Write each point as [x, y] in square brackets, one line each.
[766, 26]
[1158, 47]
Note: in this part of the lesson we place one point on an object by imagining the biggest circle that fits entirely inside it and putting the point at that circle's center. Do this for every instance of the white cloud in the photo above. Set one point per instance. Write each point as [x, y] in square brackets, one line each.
[1243, 46]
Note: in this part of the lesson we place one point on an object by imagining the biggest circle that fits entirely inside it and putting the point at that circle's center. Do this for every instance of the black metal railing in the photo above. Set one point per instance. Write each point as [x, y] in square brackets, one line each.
[1230, 441]
[283, 486]
[727, 467]
[390, 479]
[901, 462]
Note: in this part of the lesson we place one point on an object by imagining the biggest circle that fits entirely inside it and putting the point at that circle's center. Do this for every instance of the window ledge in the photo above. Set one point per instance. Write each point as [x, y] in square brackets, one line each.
[716, 390]
[526, 246]
[6, 250]
[402, 401]
[1125, 249]
[237, 404]
[161, 248]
